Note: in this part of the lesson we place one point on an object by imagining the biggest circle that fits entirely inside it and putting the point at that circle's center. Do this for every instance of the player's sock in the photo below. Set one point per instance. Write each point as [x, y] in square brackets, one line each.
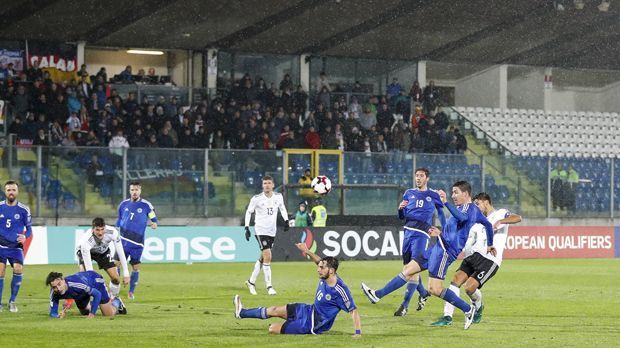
[396, 283]
[267, 274]
[454, 299]
[257, 313]
[421, 289]
[257, 267]
[1, 288]
[16, 282]
[411, 287]
[133, 280]
[448, 308]
[115, 289]
[476, 298]
[116, 302]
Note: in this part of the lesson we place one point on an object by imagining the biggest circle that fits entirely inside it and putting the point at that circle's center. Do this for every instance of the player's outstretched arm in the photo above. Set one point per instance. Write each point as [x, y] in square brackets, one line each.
[304, 249]
[509, 220]
[357, 323]
[121, 255]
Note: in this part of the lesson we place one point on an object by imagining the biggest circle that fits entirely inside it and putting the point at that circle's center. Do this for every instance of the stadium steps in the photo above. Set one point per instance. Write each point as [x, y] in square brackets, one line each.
[528, 205]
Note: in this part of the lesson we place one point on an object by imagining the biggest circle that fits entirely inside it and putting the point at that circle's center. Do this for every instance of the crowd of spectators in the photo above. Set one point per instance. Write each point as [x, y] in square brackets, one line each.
[88, 111]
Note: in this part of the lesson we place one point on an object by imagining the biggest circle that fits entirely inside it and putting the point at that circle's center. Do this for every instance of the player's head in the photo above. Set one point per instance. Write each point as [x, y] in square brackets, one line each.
[307, 172]
[422, 175]
[11, 190]
[267, 184]
[135, 190]
[461, 192]
[327, 267]
[98, 227]
[483, 201]
[302, 206]
[55, 281]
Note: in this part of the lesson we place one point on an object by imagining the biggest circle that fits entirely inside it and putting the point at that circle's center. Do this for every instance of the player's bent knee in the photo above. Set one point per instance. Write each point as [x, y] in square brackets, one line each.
[435, 290]
[275, 329]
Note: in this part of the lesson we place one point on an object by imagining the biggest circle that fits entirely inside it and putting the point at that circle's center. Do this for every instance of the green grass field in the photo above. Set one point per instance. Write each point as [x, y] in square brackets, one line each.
[529, 303]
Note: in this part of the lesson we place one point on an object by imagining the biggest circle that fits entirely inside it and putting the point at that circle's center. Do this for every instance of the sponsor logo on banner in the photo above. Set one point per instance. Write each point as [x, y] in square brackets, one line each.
[168, 244]
[560, 242]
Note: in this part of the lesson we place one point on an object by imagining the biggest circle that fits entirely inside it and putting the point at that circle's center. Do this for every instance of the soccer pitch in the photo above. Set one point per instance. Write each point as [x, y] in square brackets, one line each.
[529, 303]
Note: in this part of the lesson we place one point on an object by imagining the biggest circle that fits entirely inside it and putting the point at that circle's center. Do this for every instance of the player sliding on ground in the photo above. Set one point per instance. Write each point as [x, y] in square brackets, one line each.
[417, 208]
[437, 259]
[81, 287]
[265, 205]
[332, 296]
[479, 267]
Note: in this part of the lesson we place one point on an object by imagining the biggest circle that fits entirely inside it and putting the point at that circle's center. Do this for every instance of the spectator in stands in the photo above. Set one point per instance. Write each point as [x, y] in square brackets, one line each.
[401, 140]
[313, 139]
[328, 138]
[321, 82]
[394, 88]
[41, 138]
[58, 134]
[416, 93]
[367, 119]
[572, 180]
[355, 107]
[418, 143]
[558, 177]
[418, 119]
[116, 145]
[300, 99]
[431, 97]
[92, 140]
[323, 97]
[21, 101]
[94, 173]
[306, 192]
[384, 117]
[126, 75]
[34, 72]
[164, 139]
[461, 141]
[286, 83]
[302, 218]
[73, 123]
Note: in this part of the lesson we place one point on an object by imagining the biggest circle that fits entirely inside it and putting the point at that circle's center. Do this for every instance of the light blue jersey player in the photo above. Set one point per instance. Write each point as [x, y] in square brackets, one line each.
[417, 209]
[450, 243]
[15, 227]
[133, 216]
[332, 296]
[87, 289]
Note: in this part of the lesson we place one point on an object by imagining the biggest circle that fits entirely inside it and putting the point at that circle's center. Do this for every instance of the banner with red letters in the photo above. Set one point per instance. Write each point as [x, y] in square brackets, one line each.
[538, 242]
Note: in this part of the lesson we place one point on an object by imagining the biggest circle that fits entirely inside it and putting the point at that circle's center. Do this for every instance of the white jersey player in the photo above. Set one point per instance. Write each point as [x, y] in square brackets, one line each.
[265, 206]
[95, 245]
[479, 266]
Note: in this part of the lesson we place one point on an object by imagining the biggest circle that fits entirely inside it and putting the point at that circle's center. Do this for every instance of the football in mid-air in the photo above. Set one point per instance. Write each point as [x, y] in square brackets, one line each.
[321, 185]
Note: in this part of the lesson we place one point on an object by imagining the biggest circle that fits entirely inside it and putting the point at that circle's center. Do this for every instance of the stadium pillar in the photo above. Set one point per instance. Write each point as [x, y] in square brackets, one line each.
[421, 74]
[549, 187]
[304, 72]
[124, 173]
[612, 193]
[190, 76]
[80, 53]
[503, 86]
[548, 90]
[211, 62]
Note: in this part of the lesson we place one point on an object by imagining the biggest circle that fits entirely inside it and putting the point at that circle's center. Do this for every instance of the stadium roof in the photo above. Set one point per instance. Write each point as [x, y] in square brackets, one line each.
[527, 32]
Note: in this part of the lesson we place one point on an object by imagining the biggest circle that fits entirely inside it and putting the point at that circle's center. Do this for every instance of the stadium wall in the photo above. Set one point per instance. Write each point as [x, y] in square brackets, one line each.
[56, 245]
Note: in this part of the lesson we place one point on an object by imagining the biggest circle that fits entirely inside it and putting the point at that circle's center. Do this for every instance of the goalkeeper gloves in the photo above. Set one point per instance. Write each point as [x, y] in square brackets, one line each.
[286, 226]
[247, 233]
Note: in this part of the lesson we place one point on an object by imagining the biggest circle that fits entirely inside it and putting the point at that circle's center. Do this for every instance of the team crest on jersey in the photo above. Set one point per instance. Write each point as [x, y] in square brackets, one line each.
[328, 297]
[428, 199]
[139, 210]
[16, 216]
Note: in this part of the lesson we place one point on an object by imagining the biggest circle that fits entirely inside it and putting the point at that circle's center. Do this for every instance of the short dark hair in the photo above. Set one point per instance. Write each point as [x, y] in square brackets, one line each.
[331, 262]
[11, 182]
[98, 222]
[51, 277]
[425, 170]
[268, 177]
[463, 186]
[135, 183]
[483, 196]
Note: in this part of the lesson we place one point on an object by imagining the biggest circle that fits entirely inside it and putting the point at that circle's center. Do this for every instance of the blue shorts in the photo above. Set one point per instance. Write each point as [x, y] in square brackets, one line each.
[83, 301]
[436, 261]
[13, 255]
[298, 319]
[414, 245]
[133, 252]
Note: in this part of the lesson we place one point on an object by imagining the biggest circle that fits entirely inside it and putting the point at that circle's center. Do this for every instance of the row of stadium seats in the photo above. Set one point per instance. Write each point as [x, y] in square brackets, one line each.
[540, 133]
[51, 189]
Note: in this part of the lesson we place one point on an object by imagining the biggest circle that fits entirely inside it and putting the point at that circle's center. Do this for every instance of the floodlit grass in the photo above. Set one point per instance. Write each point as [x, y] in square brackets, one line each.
[529, 303]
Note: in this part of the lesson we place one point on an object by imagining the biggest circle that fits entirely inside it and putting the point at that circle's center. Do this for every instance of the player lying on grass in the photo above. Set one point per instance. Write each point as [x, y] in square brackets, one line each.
[332, 296]
[81, 287]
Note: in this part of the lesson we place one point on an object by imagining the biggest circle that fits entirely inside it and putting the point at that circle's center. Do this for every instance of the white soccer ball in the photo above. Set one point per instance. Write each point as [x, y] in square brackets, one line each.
[321, 185]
